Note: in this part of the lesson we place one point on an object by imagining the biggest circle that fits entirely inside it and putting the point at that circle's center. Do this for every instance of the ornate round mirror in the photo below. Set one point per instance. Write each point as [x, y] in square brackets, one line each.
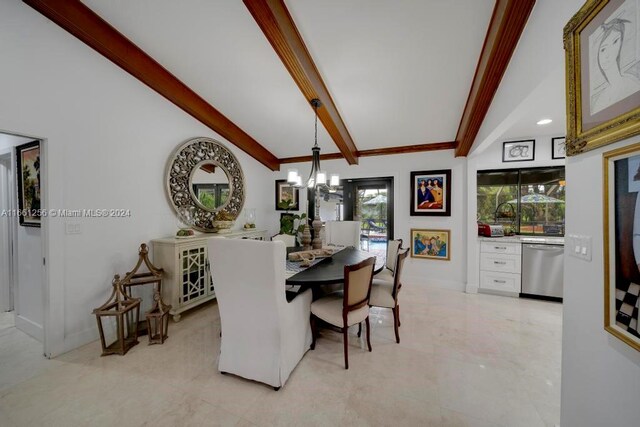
[204, 174]
[210, 186]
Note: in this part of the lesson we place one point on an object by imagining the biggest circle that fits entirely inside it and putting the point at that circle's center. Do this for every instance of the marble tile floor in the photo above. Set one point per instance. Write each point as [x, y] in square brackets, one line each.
[6, 320]
[464, 360]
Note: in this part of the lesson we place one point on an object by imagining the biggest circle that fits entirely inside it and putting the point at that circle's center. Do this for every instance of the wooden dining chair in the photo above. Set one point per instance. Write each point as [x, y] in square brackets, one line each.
[346, 308]
[387, 273]
[385, 293]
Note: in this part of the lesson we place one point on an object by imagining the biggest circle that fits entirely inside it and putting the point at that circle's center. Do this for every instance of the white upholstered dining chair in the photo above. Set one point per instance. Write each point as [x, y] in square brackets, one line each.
[343, 233]
[288, 239]
[387, 273]
[263, 336]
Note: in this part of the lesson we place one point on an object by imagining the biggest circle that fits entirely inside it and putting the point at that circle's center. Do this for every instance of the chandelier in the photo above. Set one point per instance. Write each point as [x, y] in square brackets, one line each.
[317, 177]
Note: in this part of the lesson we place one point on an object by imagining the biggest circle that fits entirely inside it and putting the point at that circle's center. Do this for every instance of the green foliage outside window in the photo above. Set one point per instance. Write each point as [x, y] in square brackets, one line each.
[531, 200]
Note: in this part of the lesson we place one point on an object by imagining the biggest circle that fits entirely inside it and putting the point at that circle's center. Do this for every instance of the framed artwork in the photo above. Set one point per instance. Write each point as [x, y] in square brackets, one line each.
[287, 196]
[603, 74]
[431, 193]
[28, 171]
[622, 243]
[558, 148]
[430, 244]
[519, 151]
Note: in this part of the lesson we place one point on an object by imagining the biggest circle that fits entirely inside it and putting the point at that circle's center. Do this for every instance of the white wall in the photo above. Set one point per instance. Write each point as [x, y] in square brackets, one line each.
[600, 374]
[28, 276]
[450, 274]
[109, 138]
[491, 158]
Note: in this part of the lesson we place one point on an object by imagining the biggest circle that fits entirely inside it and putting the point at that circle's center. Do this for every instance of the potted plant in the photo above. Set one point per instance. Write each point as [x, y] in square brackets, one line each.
[291, 224]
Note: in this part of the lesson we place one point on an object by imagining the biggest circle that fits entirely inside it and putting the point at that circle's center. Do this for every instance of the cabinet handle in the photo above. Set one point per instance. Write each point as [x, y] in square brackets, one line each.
[499, 281]
[502, 248]
[500, 262]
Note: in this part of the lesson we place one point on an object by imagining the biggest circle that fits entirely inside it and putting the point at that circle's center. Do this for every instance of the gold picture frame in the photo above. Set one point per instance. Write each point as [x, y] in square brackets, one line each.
[621, 169]
[427, 243]
[600, 109]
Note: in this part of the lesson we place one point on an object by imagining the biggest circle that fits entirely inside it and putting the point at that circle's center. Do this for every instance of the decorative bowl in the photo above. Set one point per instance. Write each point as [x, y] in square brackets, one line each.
[222, 226]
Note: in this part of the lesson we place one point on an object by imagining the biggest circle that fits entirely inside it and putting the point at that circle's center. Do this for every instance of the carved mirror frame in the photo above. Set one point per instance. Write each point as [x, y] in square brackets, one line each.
[184, 160]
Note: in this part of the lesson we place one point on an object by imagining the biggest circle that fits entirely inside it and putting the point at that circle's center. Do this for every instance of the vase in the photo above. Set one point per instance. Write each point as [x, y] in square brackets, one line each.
[250, 218]
[317, 228]
[306, 238]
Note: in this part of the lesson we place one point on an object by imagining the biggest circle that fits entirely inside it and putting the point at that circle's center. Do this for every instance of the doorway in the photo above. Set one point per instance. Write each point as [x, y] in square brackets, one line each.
[368, 200]
[23, 248]
[6, 238]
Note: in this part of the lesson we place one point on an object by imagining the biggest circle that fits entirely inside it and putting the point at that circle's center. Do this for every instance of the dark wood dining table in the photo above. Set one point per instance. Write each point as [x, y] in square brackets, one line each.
[330, 270]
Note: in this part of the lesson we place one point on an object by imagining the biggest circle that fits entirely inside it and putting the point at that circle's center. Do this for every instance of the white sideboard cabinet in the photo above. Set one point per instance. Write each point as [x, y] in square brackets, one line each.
[187, 280]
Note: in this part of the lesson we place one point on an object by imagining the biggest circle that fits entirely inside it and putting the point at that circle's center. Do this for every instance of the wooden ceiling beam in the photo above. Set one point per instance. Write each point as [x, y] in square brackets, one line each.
[277, 25]
[302, 159]
[404, 149]
[86, 25]
[507, 24]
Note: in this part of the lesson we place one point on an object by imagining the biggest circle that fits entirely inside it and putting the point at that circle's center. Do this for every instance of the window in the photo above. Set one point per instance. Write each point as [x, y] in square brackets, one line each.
[530, 201]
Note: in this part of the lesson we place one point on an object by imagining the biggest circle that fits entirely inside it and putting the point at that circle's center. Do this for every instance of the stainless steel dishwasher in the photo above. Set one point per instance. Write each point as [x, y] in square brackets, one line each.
[542, 270]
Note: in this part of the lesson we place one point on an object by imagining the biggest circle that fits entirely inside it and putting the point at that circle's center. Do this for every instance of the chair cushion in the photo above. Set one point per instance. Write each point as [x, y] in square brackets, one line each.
[385, 274]
[381, 294]
[329, 309]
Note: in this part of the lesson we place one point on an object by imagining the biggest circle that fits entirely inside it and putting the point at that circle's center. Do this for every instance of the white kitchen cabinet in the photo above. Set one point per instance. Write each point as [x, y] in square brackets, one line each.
[500, 266]
[187, 279]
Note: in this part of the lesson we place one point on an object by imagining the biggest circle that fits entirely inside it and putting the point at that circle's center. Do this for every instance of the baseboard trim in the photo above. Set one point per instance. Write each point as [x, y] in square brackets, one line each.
[29, 327]
[471, 288]
[78, 339]
[431, 283]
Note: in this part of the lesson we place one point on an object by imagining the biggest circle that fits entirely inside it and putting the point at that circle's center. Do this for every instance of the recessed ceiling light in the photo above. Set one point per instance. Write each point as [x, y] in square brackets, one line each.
[544, 122]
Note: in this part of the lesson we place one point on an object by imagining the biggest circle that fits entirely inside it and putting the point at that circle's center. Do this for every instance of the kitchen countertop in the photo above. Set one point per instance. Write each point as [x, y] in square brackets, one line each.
[543, 240]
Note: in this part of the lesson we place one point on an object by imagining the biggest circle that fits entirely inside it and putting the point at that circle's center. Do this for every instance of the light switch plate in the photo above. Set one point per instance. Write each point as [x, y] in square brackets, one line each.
[72, 228]
[580, 246]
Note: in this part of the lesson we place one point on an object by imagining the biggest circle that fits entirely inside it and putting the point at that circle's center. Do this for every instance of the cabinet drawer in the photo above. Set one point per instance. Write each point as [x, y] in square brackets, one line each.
[501, 248]
[508, 282]
[500, 263]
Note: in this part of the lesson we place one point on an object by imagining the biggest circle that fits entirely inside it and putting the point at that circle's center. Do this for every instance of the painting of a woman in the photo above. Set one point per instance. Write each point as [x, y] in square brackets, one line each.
[618, 84]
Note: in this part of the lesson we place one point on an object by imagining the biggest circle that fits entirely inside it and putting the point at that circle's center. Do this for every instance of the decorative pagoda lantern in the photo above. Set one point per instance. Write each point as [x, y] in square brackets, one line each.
[126, 311]
[158, 320]
[139, 277]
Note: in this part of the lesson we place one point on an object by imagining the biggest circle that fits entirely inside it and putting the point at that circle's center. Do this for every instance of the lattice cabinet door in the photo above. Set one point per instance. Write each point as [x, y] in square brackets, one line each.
[194, 274]
[187, 282]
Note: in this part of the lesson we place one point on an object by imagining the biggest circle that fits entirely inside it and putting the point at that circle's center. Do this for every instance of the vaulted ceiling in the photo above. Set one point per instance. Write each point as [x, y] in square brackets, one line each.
[398, 72]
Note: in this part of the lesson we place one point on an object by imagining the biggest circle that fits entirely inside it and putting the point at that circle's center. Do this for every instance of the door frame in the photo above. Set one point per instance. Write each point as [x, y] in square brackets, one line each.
[53, 317]
[6, 156]
[349, 186]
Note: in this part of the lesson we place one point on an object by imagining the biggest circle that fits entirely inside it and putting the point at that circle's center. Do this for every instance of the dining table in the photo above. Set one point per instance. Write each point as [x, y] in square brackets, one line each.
[328, 271]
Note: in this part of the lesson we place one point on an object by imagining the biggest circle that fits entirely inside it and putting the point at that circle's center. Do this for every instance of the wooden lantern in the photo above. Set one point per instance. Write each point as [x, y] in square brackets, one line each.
[138, 277]
[158, 320]
[126, 311]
